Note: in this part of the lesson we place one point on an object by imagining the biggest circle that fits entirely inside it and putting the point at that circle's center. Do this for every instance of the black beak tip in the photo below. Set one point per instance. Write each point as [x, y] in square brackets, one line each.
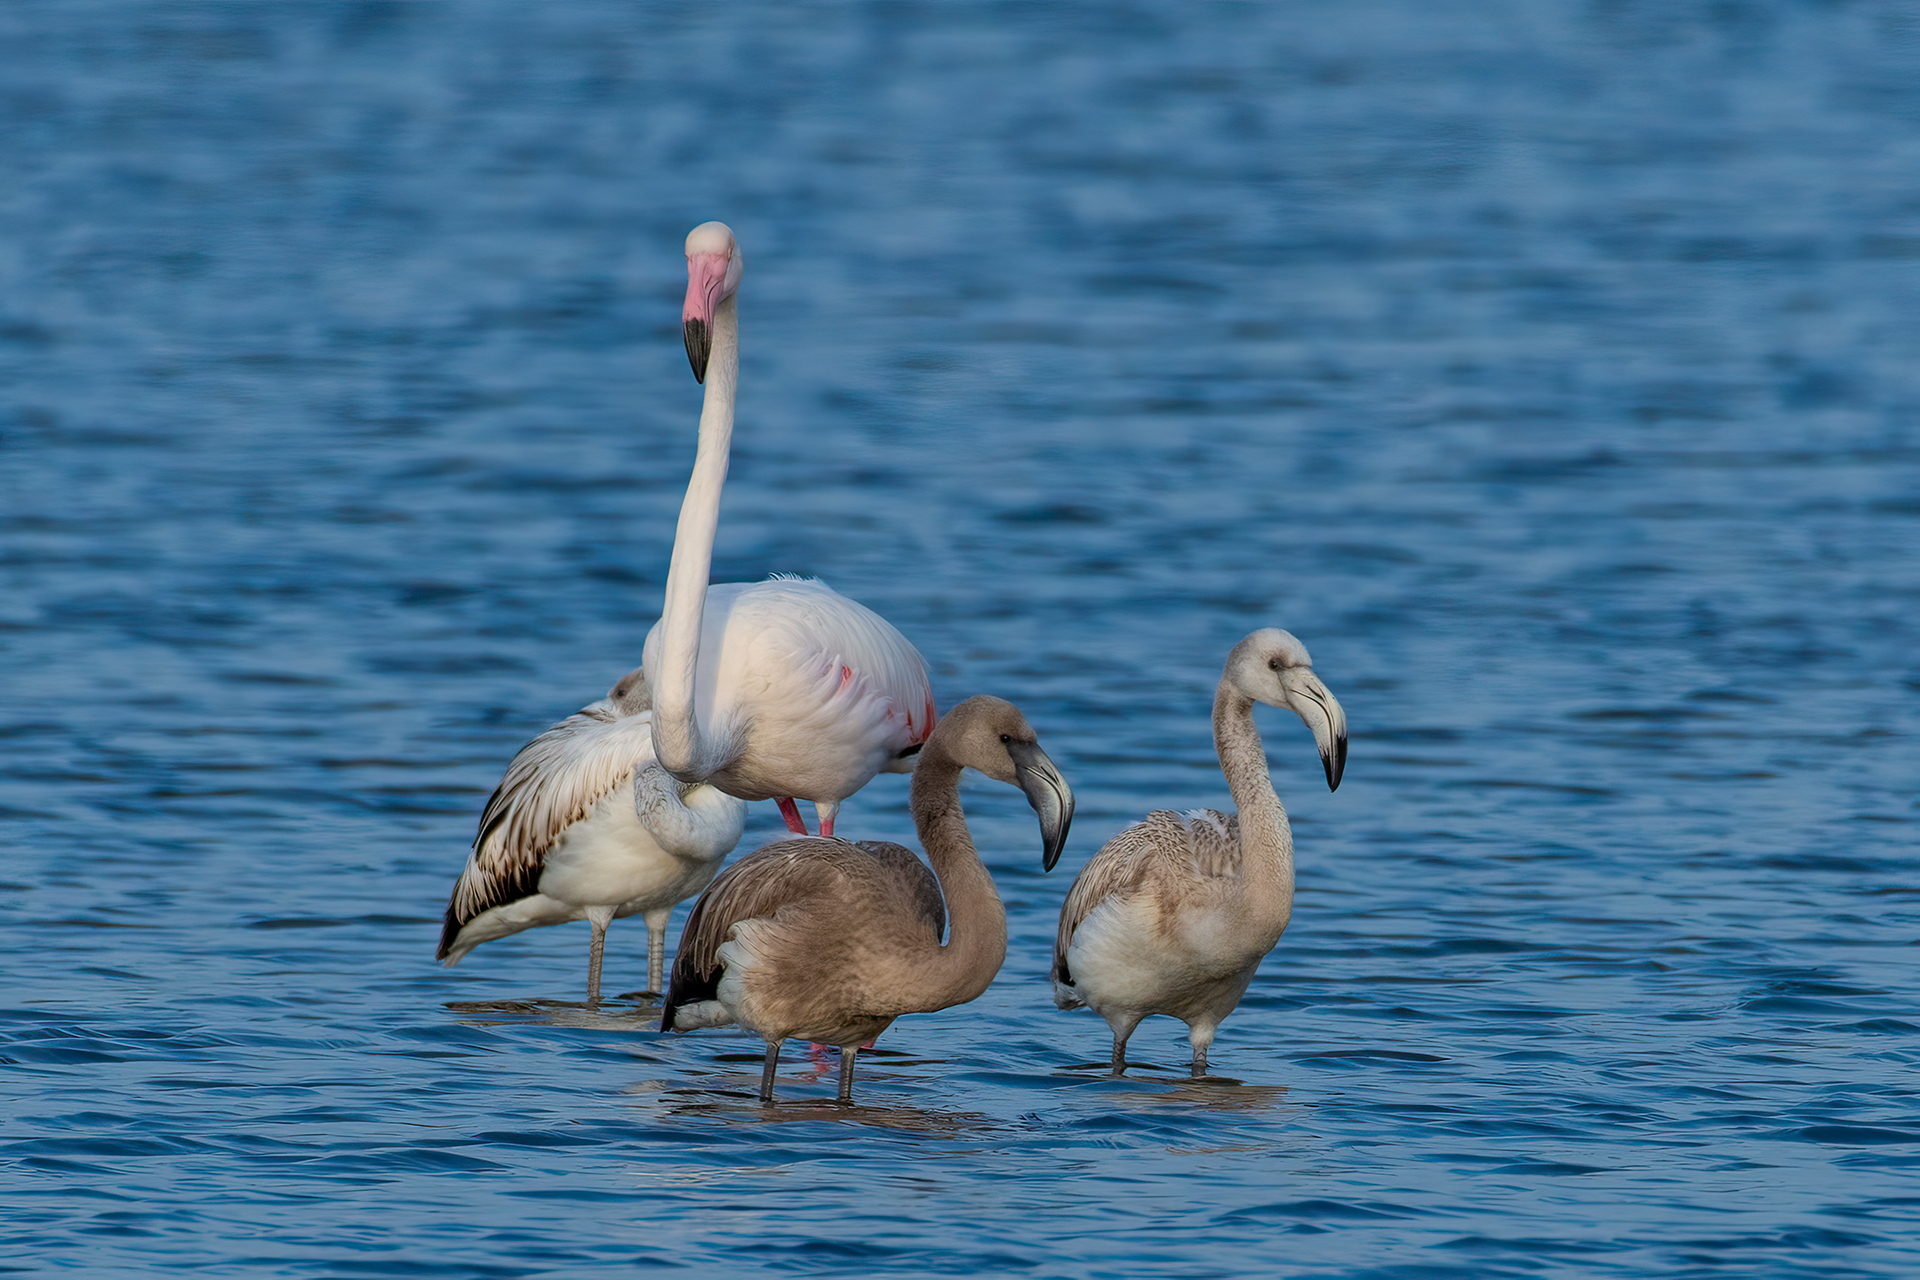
[1050, 796]
[699, 347]
[1056, 841]
[1335, 763]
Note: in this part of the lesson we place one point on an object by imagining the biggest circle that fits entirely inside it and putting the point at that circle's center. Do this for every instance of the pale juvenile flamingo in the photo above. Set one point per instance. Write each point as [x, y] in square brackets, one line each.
[776, 690]
[831, 941]
[587, 826]
[1176, 912]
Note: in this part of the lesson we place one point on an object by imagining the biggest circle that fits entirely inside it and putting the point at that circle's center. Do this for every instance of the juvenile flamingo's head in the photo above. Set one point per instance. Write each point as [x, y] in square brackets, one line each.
[990, 734]
[630, 695]
[1271, 666]
[713, 273]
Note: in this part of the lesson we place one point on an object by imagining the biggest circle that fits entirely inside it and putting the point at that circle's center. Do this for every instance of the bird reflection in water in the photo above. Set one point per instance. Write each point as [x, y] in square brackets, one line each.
[732, 1100]
[604, 1016]
[1208, 1092]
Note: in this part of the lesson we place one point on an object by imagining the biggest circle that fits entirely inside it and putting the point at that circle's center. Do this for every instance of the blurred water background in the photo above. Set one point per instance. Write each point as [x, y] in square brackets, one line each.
[1548, 366]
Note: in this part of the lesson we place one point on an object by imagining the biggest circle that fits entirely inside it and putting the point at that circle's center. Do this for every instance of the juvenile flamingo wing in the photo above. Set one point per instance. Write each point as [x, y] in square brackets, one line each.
[916, 880]
[1161, 845]
[754, 887]
[551, 783]
[790, 873]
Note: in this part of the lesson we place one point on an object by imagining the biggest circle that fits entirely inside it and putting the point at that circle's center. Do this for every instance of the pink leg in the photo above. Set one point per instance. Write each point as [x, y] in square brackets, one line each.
[826, 826]
[791, 812]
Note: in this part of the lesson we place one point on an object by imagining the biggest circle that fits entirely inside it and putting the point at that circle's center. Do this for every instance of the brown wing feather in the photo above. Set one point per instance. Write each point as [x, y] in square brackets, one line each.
[1213, 843]
[781, 874]
[916, 877]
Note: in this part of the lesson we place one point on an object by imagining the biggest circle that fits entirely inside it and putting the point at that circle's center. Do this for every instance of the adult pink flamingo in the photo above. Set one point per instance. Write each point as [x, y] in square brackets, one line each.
[784, 689]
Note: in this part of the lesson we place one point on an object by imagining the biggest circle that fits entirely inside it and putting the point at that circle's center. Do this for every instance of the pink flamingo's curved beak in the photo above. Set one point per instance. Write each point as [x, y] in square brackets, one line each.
[706, 277]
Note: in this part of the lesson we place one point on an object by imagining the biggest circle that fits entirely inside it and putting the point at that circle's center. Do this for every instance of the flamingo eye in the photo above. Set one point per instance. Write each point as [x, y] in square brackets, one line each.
[1273, 664]
[1006, 737]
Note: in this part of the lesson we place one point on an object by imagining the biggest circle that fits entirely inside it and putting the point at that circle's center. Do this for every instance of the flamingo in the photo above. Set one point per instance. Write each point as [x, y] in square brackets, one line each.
[782, 689]
[587, 825]
[1175, 913]
[832, 941]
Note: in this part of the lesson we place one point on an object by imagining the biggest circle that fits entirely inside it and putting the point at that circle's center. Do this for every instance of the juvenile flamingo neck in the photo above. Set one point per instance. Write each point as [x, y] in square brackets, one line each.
[676, 729]
[1266, 838]
[977, 922]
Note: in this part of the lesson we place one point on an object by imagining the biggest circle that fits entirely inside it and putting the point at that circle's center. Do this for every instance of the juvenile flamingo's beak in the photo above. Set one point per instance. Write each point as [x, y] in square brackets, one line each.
[706, 276]
[1313, 703]
[1048, 793]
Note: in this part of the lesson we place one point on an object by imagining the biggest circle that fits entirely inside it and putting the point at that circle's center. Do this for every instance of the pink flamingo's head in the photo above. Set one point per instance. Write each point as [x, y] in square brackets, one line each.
[713, 273]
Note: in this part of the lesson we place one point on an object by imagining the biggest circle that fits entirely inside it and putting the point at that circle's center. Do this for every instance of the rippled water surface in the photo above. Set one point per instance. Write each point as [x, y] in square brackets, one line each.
[1548, 367]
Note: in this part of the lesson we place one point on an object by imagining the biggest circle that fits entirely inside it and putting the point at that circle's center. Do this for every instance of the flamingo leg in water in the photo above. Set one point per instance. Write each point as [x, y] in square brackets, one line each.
[599, 918]
[791, 812]
[766, 1072]
[1120, 1036]
[656, 959]
[594, 951]
[847, 1054]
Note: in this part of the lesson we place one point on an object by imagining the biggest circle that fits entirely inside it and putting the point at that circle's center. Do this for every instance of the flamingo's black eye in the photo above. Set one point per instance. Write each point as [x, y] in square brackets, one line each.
[1006, 737]
[1273, 664]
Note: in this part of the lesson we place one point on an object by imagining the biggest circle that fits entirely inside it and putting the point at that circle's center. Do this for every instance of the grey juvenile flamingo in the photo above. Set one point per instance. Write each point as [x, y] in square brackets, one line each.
[1176, 912]
[831, 940]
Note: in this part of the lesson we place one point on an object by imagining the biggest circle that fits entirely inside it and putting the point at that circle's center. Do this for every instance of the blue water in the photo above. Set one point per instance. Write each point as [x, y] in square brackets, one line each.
[1548, 367]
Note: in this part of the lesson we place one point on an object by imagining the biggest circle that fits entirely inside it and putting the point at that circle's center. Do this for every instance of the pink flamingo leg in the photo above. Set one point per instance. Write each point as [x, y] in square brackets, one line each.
[791, 812]
[826, 826]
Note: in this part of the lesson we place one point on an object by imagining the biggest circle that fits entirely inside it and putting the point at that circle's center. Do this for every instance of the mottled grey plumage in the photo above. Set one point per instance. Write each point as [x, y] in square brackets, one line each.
[1176, 912]
[1165, 852]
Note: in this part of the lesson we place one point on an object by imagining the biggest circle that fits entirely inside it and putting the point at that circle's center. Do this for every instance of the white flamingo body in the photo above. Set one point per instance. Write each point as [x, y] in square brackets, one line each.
[802, 692]
[586, 825]
[610, 859]
[779, 689]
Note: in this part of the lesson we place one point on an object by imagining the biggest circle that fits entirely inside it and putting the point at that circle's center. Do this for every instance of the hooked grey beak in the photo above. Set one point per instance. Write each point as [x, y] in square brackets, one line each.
[699, 346]
[1314, 703]
[1049, 795]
